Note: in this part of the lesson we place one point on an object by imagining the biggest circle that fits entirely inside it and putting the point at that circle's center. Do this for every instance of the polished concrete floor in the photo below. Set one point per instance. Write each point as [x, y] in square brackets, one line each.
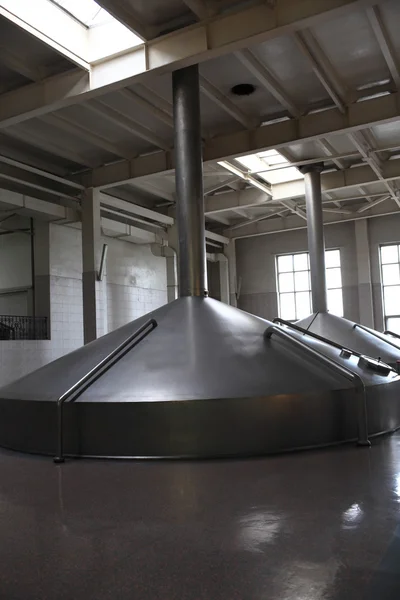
[318, 525]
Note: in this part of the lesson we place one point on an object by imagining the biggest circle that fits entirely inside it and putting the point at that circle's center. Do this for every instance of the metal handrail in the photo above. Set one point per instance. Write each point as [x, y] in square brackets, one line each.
[315, 335]
[376, 334]
[79, 387]
[341, 370]
[392, 333]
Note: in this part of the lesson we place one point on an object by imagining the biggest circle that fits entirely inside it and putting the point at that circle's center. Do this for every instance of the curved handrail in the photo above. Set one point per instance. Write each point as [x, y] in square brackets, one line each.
[392, 333]
[376, 334]
[315, 335]
[93, 375]
[341, 370]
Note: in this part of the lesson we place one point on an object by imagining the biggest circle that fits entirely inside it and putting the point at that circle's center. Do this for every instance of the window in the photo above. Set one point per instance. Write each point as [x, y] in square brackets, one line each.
[390, 266]
[294, 285]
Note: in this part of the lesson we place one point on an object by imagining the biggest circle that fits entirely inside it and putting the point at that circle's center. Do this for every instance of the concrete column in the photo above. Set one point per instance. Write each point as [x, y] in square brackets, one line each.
[365, 297]
[230, 253]
[91, 252]
[41, 270]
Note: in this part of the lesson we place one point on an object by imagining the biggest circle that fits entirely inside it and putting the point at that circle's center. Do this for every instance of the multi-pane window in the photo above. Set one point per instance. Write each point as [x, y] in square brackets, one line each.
[294, 284]
[390, 265]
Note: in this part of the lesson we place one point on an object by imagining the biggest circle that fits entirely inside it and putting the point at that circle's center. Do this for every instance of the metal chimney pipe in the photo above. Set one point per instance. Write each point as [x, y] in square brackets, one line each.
[315, 232]
[189, 182]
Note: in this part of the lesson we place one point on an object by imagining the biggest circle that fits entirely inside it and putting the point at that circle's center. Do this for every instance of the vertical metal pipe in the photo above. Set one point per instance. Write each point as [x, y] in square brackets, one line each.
[189, 182]
[315, 231]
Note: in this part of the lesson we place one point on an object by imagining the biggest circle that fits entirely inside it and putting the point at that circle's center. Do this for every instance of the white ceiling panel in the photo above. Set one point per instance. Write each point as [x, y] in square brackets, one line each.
[226, 72]
[351, 47]
[283, 59]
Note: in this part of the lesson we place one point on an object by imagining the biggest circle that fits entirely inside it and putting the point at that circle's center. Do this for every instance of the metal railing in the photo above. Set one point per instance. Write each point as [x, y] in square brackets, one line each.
[91, 376]
[392, 333]
[316, 336]
[13, 327]
[341, 370]
[377, 335]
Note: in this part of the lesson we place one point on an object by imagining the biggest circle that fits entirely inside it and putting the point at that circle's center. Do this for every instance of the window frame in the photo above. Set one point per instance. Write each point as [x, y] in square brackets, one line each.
[293, 271]
[385, 316]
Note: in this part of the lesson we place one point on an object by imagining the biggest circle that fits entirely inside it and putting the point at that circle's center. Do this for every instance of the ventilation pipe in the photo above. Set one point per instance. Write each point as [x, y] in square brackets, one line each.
[189, 183]
[315, 232]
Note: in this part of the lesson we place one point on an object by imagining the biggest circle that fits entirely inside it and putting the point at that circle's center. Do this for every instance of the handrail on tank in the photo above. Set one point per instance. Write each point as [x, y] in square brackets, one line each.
[377, 335]
[315, 335]
[392, 333]
[79, 387]
[341, 370]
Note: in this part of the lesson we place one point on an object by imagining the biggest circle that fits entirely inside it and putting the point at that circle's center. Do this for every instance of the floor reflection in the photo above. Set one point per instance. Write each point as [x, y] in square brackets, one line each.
[309, 526]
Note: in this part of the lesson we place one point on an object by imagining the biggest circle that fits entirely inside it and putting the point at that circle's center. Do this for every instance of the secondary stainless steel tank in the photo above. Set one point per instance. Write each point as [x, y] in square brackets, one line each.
[353, 335]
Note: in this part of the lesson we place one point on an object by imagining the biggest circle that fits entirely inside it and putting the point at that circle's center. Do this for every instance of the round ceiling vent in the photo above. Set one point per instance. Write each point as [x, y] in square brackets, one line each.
[243, 89]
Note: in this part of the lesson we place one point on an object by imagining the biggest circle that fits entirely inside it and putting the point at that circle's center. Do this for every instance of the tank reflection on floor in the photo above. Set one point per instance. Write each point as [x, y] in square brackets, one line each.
[310, 526]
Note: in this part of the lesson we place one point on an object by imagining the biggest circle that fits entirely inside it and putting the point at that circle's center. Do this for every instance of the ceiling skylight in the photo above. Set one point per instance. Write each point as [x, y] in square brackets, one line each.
[87, 12]
[270, 166]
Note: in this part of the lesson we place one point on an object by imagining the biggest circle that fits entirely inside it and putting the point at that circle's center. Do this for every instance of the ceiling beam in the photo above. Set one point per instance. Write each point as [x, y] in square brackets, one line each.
[30, 169]
[36, 182]
[53, 147]
[361, 143]
[229, 201]
[218, 217]
[134, 209]
[220, 35]
[384, 42]
[338, 180]
[292, 222]
[156, 111]
[321, 67]
[51, 25]
[125, 16]
[213, 93]
[18, 64]
[268, 81]
[203, 9]
[248, 221]
[372, 204]
[307, 128]
[216, 237]
[116, 117]
[334, 181]
[35, 99]
[86, 134]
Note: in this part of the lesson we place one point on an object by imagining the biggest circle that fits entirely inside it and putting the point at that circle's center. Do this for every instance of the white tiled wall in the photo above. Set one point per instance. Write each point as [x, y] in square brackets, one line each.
[135, 284]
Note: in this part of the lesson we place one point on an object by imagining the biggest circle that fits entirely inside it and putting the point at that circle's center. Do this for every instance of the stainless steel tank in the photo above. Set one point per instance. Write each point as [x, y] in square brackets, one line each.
[206, 382]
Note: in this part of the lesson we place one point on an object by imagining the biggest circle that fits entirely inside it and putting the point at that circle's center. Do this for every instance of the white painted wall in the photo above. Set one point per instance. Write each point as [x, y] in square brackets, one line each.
[255, 261]
[135, 284]
[136, 281]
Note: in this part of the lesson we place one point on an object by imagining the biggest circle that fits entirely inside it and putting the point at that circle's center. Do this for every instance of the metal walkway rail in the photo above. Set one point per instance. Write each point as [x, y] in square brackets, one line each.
[87, 380]
[341, 370]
